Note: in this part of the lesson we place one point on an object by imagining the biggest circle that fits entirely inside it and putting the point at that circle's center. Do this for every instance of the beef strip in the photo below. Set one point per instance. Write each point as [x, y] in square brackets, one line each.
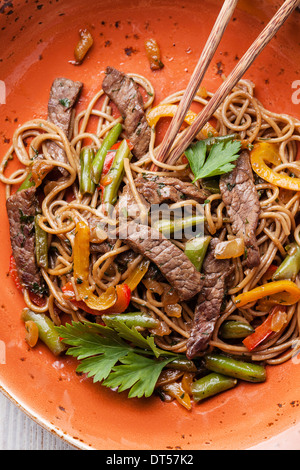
[64, 94]
[171, 261]
[209, 301]
[21, 209]
[103, 247]
[124, 92]
[157, 190]
[242, 204]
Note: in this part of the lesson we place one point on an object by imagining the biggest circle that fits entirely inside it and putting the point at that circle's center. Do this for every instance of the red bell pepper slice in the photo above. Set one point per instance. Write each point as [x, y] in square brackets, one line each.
[263, 331]
[108, 161]
[13, 272]
[123, 299]
[117, 145]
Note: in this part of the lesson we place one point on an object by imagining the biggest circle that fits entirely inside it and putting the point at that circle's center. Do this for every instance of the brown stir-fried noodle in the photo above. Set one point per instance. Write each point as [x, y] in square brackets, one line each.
[240, 113]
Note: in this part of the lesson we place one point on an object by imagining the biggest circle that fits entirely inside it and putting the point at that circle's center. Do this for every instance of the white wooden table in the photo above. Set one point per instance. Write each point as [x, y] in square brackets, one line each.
[19, 432]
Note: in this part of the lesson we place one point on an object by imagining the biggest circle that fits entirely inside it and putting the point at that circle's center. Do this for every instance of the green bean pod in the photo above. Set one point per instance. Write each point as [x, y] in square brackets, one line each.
[290, 266]
[235, 368]
[27, 183]
[47, 331]
[108, 142]
[168, 227]
[195, 250]
[232, 329]
[87, 185]
[115, 174]
[136, 319]
[211, 184]
[41, 244]
[184, 364]
[210, 385]
[210, 141]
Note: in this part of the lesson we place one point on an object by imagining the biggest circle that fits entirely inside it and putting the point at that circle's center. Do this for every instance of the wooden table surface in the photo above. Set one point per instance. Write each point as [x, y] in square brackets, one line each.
[19, 432]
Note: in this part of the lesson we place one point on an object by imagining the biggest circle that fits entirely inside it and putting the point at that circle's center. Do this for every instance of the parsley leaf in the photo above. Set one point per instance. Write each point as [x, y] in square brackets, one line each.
[117, 356]
[217, 162]
[137, 373]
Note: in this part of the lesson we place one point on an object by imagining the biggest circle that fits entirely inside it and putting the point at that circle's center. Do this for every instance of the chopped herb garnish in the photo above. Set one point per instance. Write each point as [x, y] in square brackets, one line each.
[65, 102]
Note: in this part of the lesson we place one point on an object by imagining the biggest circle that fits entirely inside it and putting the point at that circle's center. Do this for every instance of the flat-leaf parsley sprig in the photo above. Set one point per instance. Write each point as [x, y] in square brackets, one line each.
[118, 356]
[213, 161]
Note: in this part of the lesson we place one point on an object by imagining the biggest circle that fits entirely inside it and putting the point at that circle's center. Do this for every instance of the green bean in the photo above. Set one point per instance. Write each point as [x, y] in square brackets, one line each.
[210, 385]
[41, 244]
[211, 184]
[235, 368]
[115, 174]
[87, 186]
[218, 139]
[168, 227]
[137, 319]
[232, 329]
[27, 183]
[47, 331]
[290, 266]
[183, 364]
[108, 142]
[195, 250]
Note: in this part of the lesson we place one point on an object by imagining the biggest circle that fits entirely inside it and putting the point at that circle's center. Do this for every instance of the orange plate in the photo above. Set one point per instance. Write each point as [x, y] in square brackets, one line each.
[37, 41]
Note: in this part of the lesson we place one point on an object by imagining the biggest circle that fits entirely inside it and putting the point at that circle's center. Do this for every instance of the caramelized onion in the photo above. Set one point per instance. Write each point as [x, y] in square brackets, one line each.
[153, 54]
[83, 46]
[279, 319]
[230, 249]
[173, 310]
[168, 376]
[32, 335]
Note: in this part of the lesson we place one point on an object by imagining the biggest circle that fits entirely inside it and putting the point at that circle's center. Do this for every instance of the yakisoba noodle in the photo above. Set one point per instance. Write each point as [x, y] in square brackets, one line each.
[241, 113]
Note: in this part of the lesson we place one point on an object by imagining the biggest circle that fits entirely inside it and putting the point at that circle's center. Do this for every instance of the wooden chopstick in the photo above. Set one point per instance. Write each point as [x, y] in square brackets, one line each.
[197, 77]
[248, 58]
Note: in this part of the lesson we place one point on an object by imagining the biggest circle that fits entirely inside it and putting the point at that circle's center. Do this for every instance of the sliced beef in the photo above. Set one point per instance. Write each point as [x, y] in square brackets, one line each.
[102, 247]
[242, 204]
[171, 261]
[158, 189]
[209, 301]
[64, 94]
[124, 92]
[21, 209]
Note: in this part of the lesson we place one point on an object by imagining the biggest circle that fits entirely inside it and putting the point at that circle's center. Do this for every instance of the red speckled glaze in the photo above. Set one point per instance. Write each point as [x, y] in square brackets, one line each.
[37, 41]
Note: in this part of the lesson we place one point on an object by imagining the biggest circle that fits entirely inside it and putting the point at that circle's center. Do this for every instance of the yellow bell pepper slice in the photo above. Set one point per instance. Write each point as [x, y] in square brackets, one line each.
[169, 110]
[263, 153]
[283, 292]
[137, 274]
[81, 252]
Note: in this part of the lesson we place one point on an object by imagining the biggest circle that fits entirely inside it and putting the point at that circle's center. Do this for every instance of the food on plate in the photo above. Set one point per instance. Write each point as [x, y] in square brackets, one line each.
[179, 280]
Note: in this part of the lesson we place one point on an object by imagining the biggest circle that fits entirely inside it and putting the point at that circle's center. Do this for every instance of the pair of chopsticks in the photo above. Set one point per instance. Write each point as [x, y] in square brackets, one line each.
[170, 155]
